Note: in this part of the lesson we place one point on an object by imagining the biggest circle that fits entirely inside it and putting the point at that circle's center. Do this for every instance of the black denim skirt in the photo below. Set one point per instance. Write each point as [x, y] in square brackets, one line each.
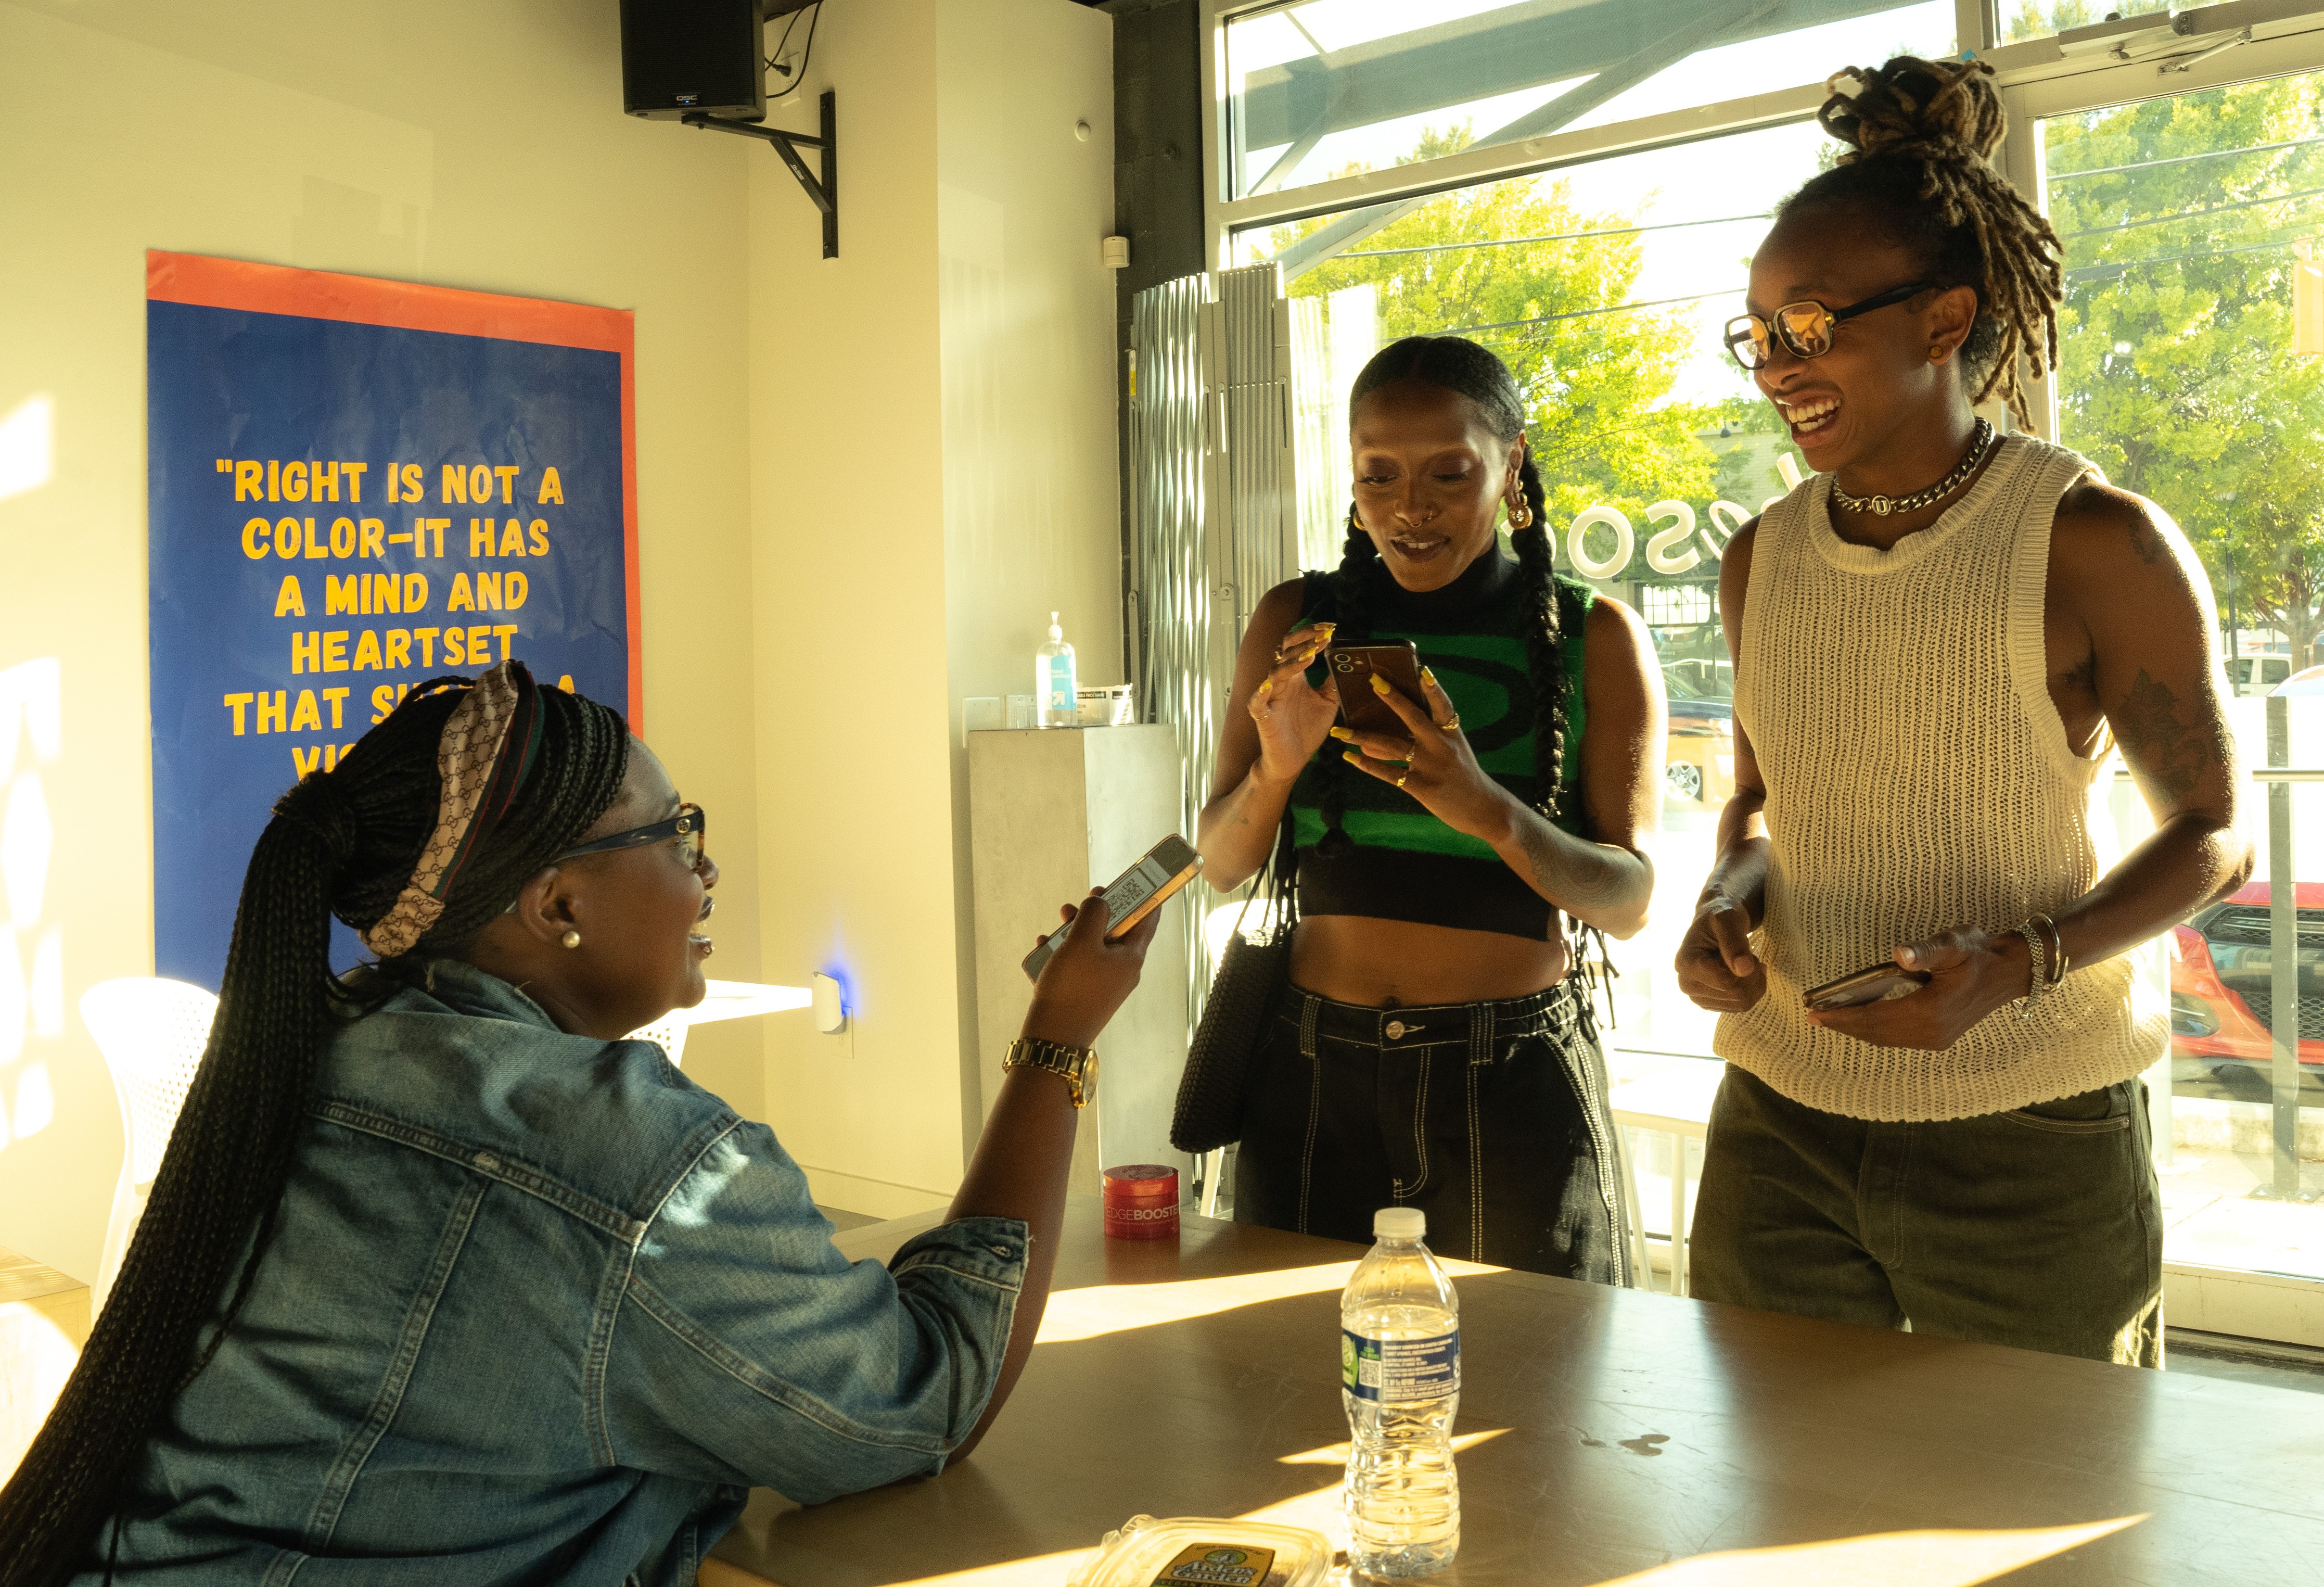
[1489, 1117]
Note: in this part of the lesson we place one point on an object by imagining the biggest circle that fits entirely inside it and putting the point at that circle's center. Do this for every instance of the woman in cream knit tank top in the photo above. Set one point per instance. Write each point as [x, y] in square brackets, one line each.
[1939, 643]
[1983, 808]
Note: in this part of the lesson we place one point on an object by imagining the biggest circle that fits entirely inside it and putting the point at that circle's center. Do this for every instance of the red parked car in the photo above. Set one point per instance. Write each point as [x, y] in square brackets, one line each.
[2221, 1023]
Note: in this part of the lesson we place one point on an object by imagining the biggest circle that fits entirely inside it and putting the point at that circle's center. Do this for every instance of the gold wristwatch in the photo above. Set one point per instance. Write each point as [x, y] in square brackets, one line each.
[1076, 1066]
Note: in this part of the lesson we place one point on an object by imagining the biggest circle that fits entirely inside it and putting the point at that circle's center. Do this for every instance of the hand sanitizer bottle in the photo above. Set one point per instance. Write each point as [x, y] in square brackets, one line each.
[1052, 681]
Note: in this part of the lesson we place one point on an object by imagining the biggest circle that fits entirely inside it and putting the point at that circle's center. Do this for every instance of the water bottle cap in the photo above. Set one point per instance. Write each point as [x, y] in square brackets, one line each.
[1399, 1223]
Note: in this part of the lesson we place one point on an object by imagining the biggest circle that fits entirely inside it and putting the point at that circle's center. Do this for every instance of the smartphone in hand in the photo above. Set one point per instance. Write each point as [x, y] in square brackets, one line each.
[1872, 985]
[1133, 895]
[1362, 708]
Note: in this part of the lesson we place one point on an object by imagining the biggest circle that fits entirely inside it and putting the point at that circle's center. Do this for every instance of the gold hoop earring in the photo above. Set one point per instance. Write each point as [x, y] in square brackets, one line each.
[571, 939]
[1520, 514]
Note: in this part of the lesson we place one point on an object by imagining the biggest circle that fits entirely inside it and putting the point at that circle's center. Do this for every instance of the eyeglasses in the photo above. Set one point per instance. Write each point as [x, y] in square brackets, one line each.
[688, 826]
[1803, 328]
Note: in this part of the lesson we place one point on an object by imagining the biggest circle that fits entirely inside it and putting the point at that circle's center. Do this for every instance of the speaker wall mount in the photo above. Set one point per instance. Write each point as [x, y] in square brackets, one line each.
[704, 63]
[822, 187]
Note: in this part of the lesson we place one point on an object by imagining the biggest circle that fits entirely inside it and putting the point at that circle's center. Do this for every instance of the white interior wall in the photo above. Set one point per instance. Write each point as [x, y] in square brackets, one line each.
[1032, 509]
[934, 461]
[863, 483]
[477, 146]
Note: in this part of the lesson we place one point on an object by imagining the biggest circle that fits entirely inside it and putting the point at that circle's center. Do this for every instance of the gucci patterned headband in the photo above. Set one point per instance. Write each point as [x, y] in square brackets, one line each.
[489, 743]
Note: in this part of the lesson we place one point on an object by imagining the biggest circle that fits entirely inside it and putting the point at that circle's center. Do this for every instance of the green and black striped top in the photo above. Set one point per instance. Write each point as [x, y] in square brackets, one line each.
[1406, 864]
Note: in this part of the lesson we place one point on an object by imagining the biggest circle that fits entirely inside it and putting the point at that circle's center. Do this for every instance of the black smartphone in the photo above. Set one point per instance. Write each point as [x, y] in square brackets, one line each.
[1872, 985]
[1353, 668]
[1133, 895]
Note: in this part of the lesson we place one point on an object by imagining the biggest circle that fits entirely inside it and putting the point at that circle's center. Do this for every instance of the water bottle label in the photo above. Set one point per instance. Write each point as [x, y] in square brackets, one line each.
[1401, 1371]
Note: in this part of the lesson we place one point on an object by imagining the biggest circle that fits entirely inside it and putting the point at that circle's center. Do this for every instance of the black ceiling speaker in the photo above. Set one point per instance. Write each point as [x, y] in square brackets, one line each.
[692, 57]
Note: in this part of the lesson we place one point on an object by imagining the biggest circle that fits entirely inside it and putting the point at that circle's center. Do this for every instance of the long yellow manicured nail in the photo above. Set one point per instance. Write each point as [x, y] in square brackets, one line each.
[1349, 755]
[1342, 732]
[1428, 676]
[1268, 685]
[1380, 683]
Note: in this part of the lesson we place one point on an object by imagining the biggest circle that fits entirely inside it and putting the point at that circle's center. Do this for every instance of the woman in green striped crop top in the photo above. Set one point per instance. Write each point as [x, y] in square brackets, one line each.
[1433, 1050]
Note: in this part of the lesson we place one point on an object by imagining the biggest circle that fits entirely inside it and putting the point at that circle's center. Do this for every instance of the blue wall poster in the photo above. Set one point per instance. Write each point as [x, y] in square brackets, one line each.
[354, 486]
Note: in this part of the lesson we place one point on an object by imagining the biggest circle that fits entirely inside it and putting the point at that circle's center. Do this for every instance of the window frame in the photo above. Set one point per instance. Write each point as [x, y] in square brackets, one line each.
[2058, 73]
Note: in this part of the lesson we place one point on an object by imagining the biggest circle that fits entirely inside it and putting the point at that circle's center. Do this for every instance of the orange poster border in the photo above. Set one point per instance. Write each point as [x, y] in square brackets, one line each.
[208, 283]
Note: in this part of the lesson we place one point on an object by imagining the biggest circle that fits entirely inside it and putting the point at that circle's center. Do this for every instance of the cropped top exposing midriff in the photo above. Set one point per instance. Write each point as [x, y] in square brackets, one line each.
[1400, 861]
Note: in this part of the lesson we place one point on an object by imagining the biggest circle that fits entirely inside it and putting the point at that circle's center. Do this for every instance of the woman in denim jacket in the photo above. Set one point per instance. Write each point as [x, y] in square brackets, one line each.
[444, 1282]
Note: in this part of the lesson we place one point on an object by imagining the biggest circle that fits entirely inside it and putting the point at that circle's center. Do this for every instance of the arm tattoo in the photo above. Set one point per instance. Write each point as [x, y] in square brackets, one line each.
[2168, 753]
[1594, 883]
[2148, 542]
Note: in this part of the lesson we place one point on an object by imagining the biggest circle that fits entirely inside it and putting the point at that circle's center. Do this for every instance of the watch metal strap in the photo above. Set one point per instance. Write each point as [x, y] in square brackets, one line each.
[1071, 1064]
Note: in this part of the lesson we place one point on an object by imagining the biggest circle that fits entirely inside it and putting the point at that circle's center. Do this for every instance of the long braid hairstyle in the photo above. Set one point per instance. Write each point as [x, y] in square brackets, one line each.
[1455, 364]
[343, 841]
[1918, 133]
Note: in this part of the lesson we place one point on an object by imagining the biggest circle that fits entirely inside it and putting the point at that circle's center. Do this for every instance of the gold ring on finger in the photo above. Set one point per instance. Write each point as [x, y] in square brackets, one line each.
[1400, 781]
[1452, 726]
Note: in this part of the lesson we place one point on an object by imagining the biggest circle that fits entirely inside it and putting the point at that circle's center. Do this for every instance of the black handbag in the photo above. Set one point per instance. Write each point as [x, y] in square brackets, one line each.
[1241, 1009]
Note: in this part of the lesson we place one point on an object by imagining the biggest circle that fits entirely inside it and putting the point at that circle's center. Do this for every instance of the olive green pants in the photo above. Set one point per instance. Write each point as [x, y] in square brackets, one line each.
[2040, 1228]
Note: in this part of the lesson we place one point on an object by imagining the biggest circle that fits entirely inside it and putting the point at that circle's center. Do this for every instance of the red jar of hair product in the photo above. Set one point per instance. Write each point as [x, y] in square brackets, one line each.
[1141, 1201]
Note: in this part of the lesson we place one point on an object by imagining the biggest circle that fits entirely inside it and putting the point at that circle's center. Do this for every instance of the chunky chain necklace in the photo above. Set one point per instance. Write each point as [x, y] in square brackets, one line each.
[1979, 444]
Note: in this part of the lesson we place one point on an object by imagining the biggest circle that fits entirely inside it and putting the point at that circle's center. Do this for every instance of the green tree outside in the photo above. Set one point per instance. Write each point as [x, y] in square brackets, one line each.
[2177, 374]
[1597, 384]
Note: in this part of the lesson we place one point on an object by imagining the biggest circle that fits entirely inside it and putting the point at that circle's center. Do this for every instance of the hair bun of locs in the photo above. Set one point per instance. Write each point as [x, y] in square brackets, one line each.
[1929, 109]
[1918, 132]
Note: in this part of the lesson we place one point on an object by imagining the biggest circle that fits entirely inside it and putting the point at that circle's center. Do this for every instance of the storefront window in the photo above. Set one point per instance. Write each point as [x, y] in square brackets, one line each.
[2186, 374]
[2191, 371]
[1322, 88]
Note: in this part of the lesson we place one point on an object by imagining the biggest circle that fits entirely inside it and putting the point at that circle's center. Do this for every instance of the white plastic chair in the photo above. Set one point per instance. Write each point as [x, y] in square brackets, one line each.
[152, 1034]
[1676, 1104]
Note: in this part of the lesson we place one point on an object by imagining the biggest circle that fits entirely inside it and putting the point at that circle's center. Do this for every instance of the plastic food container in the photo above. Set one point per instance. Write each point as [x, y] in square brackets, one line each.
[1199, 1553]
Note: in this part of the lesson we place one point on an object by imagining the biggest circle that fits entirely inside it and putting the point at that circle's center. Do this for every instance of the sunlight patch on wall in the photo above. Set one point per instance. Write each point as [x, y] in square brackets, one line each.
[27, 837]
[27, 447]
[31, 940]
[36, 1104]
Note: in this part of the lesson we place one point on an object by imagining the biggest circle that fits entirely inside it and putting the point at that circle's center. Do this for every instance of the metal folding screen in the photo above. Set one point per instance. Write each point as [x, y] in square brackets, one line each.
[1214, 509]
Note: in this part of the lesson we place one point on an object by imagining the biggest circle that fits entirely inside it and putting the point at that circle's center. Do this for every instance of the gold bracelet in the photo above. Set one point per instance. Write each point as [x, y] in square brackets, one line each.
[1076, 1065]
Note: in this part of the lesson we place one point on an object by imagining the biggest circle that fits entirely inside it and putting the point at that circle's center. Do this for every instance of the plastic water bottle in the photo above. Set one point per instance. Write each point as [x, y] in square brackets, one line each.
[1400, 1380]
[1052, 681]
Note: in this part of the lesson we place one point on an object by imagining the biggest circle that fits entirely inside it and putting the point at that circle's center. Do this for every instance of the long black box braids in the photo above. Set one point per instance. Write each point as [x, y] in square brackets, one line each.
[342, 842]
